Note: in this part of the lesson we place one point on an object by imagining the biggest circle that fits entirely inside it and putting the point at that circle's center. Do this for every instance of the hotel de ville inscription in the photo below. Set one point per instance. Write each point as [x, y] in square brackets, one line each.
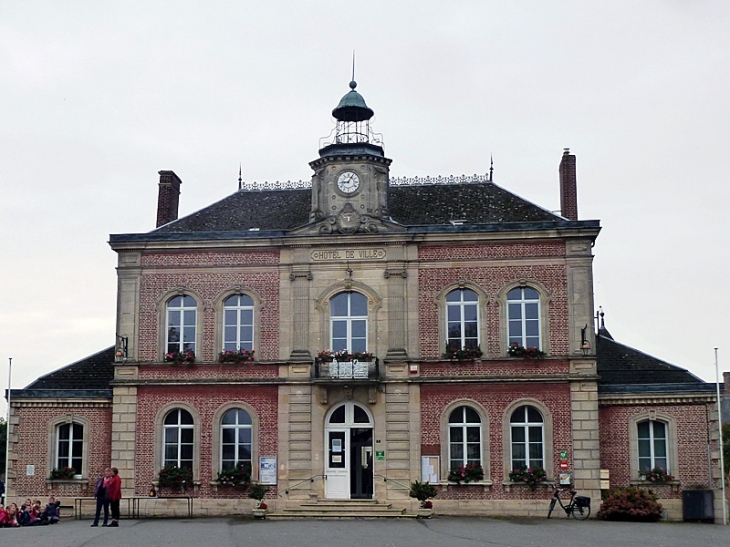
[336, 255]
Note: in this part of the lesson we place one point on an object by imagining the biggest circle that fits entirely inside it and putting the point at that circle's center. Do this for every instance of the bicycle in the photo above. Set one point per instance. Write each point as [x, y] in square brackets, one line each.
[578, 506]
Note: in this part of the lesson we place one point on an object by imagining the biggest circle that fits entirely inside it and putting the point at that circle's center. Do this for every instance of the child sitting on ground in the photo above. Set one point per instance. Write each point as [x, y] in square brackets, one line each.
[51, 515]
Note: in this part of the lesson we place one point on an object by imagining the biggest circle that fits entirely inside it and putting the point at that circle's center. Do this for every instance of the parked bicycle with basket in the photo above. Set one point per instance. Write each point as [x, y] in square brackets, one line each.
[578, 506]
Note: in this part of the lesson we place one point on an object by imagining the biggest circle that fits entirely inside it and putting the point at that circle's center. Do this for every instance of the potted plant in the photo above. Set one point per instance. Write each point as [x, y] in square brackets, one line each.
[172, 476]
[236, 356]
[423, 491]
[179, 357]
[455, 353]
[471, 472]
[257, 492]
[531, 476]
[238, 477]
[516, 350]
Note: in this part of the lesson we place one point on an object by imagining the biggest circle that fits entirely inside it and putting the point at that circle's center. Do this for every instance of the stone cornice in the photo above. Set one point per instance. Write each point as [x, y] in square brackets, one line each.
[61, 401]
[610, 399]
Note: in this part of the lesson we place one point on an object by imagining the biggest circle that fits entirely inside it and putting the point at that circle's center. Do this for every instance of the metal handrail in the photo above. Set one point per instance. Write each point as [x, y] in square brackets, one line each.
[386, 479]
[310, 479]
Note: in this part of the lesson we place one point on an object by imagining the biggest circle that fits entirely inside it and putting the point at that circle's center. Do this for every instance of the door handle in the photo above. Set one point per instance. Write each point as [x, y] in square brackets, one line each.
[364, 457]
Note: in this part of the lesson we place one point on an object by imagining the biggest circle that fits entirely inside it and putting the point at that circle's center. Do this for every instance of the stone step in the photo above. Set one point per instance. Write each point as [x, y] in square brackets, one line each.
[340, 509]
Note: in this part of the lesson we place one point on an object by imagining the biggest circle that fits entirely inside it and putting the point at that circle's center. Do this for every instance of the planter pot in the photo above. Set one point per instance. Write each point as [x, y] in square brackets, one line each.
[78, 477]
[424, 513]
[259, 513]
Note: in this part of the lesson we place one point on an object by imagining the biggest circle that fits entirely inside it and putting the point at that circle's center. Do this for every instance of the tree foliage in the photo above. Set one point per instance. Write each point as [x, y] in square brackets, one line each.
[726, 449]
[3, 438]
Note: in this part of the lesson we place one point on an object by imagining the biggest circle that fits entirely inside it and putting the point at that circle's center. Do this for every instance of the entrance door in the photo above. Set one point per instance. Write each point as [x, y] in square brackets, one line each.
[361, 456]
[349, 453]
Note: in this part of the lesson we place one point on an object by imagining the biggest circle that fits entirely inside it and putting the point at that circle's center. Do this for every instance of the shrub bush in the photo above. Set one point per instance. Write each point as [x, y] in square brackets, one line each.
[422, 491]
[632, 504]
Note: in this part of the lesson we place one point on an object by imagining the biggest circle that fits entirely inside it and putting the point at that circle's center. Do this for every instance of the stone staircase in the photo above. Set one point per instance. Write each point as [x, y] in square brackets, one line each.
[340, 509]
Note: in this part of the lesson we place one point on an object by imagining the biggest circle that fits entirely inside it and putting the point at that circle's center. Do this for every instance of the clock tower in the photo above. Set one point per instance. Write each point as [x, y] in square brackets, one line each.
[350, 181]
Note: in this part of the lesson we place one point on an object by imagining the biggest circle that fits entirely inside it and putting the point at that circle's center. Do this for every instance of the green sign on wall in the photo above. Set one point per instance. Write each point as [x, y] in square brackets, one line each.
[380, 455]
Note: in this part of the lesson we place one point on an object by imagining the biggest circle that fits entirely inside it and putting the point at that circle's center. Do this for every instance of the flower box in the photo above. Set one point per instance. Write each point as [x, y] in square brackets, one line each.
[471, 472]
[179, 357]
[515, 350]
[454, 353]
[236, 357]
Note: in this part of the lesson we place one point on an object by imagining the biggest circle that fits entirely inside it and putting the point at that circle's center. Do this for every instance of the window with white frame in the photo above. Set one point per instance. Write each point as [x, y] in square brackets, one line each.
[652, 438]
[70, 446]
[527, 437]
[523, 317]
[236, 439]
[349, 322]
[238, 323]
[462, 319]
[178, 434]
[465, 438]
[182, 315]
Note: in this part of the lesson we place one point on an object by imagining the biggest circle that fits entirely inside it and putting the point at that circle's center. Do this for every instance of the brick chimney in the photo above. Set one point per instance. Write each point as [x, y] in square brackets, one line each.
[568, 186]
[168, 197]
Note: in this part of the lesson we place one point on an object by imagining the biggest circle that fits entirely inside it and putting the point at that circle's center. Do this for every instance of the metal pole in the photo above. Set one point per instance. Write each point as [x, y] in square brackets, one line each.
[719, 426]
[7, 428]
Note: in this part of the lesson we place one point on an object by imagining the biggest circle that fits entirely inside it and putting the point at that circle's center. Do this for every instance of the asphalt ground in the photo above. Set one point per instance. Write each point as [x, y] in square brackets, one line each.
[437, 532]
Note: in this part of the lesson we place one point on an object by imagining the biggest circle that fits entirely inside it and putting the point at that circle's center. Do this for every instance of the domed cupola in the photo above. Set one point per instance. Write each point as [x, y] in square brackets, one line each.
[353, 134]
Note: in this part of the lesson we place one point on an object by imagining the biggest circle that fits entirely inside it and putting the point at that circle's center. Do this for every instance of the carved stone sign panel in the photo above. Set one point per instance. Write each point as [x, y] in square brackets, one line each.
[335, 255]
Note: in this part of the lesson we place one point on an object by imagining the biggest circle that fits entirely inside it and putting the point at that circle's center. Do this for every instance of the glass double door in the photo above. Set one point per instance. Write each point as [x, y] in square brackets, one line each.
[349, 465]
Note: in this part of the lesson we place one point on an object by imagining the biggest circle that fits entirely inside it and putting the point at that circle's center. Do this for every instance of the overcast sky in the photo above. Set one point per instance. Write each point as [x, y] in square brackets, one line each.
[97, 97]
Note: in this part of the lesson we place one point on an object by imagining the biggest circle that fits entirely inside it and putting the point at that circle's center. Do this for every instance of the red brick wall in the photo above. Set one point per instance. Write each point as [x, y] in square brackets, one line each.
[511, 367]
[495, 398]
[208, 371]
[33, 431]
[692, 444]
[208, 287]
[492, 280]
[206, 400]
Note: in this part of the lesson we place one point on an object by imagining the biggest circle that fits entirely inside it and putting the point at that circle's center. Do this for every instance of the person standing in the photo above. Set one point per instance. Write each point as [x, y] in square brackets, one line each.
[114, 494]
[101, 494]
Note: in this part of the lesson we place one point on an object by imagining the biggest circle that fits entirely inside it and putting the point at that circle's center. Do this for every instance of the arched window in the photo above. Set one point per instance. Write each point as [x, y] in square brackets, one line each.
[182, 313]
[523, 317]
[465, 437]
[653, 453]
[70, 447]
[462, 318]
[236, 439]
[527, 437]
[349, 322]
[178, 435]
[238, 322]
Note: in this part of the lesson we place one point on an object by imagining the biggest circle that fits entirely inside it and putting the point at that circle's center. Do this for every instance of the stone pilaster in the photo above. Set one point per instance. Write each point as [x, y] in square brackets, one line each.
[396, 305]
[399, 438]
[300, 315]
[124, 428]
[586, 444]
[295, 440]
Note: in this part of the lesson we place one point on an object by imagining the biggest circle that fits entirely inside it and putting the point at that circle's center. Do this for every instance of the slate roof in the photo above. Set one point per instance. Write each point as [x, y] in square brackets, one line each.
[622, 368]
[417, 205]
[91, 373]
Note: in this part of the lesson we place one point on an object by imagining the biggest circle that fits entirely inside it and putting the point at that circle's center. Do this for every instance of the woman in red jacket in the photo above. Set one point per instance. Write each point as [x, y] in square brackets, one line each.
[114, 494]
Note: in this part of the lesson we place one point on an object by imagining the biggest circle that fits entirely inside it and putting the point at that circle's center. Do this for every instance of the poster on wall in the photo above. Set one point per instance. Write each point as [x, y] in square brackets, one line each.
[430, 469]
[267, 470]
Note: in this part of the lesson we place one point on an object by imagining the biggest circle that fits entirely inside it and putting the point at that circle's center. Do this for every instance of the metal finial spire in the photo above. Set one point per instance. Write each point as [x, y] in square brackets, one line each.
[353, 83]
[600, 315]
[491, 167]
[240, 180]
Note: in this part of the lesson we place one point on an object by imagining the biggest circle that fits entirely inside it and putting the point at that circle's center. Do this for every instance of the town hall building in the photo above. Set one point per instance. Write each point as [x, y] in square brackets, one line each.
[339, 339]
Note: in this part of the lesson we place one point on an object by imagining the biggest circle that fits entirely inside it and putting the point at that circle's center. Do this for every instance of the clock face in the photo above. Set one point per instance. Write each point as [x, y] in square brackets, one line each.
[348, 182]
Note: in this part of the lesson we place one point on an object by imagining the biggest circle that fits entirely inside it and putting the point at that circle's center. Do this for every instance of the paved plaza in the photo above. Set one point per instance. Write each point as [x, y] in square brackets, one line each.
[438, 532]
